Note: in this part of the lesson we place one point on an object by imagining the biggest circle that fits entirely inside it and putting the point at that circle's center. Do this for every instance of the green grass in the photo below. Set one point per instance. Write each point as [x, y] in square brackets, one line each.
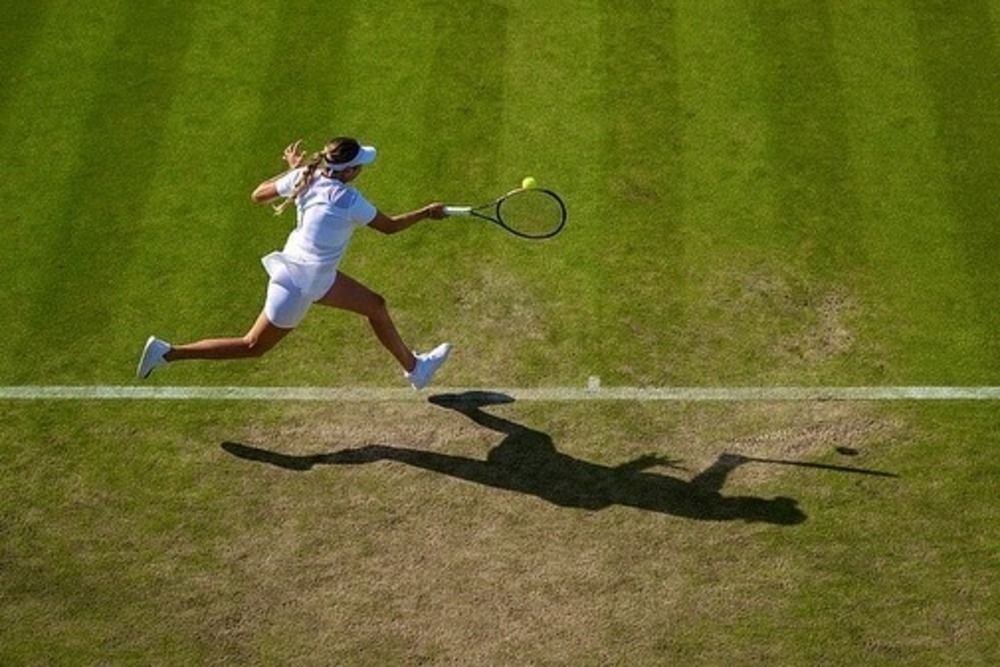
[760, 193]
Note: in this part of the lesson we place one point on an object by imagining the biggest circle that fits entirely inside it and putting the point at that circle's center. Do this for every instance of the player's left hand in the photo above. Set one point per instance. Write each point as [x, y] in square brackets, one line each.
[293, 154]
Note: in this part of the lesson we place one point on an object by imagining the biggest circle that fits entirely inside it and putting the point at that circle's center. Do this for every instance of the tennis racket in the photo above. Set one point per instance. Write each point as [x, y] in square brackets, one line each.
[532, 213]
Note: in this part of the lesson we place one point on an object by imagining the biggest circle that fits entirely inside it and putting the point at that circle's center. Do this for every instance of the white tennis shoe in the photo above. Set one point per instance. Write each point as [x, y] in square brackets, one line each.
[152, 357]
[427, 365]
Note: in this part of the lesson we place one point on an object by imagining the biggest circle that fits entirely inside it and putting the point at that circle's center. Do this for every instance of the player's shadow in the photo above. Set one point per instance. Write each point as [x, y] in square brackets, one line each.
[526, 461]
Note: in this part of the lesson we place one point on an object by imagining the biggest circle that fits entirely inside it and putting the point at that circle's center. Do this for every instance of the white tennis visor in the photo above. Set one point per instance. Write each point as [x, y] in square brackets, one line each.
[365, 156]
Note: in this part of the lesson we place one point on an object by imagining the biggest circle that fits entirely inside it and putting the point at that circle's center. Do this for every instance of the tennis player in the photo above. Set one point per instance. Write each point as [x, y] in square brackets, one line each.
[305, 271]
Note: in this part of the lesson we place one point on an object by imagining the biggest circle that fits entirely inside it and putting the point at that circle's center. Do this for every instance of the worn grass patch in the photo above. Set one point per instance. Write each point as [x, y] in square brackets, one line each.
[481, 532]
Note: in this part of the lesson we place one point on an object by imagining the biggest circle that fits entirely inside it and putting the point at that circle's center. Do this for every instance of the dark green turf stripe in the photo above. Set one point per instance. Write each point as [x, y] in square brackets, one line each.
[20, 24]
[961, 67]
[462, 133]
[643, 170]
[75, 297]
[817, 208]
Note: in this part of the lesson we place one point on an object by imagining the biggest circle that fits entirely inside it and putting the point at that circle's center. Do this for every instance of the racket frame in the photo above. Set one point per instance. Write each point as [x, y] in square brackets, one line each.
[481, 212]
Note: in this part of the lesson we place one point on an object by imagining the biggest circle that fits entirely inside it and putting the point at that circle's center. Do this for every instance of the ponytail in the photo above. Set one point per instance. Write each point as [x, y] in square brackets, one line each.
[303, 182]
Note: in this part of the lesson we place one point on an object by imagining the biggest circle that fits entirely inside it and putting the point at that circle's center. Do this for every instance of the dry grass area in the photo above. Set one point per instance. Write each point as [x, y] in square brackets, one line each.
[407, 534]
[462, 532]
[777, 322]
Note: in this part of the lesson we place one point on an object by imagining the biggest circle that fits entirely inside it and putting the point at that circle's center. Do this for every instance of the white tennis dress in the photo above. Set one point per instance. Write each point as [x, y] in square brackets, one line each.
[328, 212]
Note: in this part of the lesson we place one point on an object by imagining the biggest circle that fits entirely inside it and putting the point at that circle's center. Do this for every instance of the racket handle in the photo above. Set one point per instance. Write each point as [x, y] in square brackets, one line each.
[457, 210]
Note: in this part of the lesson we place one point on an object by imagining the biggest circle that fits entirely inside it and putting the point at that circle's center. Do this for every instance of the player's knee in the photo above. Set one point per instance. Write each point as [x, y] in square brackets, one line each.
[377, 308]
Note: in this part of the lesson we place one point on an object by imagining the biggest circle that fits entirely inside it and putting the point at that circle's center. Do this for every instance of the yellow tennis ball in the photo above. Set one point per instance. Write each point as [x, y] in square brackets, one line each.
[529, 182]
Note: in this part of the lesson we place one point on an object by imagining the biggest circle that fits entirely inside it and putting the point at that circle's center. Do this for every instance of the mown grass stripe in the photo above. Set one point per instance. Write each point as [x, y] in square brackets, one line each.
[137, 79]
[959, 52]
[199, 200]
[19, 32]
[729, 240]
[905, 219]
[552, 72]
[47, 107]
[468, 57]
[817, 205]
[644, 176]
[555, 394]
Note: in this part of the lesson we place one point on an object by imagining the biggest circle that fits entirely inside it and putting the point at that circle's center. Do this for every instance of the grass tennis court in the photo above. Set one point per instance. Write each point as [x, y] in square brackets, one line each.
[785, 193]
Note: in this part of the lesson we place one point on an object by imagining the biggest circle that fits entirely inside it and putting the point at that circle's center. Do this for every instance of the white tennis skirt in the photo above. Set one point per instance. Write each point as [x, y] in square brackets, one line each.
[293, 287]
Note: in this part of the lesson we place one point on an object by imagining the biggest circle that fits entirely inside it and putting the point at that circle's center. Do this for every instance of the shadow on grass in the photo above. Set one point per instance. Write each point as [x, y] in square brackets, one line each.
[526, 461]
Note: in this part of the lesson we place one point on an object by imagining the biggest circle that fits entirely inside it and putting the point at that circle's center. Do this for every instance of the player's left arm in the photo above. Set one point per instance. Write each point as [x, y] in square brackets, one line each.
[268, 190]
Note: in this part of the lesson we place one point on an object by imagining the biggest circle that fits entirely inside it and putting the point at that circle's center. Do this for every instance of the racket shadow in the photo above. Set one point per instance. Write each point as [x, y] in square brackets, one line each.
[526, 461]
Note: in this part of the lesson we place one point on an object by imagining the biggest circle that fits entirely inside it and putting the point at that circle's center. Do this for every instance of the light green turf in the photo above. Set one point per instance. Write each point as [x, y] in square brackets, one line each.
[759, 192]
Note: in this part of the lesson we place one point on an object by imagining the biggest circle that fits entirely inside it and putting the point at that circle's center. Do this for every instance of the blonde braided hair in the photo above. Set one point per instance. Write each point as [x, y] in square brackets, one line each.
[338, 150]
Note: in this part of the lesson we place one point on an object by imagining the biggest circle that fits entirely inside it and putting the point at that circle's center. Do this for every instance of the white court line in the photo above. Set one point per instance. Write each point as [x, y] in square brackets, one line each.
[593, 392]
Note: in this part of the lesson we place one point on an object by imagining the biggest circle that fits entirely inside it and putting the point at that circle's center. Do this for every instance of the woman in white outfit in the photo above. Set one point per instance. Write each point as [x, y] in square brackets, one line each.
[305, 271]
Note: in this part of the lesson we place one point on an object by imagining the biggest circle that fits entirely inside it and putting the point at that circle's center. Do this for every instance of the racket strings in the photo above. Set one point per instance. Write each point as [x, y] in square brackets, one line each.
[535, 213]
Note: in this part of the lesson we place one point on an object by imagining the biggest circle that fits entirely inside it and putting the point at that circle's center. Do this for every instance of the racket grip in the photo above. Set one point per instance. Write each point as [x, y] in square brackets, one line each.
[457, 210]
